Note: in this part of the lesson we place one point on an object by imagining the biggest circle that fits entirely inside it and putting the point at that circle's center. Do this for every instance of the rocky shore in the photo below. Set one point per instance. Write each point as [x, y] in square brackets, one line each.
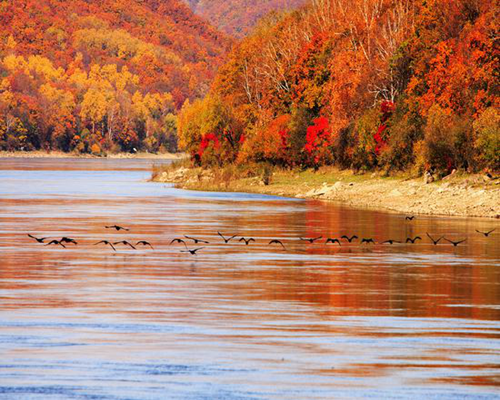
[455, 195]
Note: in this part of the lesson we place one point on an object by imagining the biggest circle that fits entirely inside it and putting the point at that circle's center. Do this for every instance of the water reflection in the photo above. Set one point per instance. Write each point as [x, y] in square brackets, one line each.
[235, 321]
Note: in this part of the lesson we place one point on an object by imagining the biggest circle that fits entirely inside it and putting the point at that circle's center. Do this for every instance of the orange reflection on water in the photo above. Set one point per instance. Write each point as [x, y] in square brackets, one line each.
[307, 319]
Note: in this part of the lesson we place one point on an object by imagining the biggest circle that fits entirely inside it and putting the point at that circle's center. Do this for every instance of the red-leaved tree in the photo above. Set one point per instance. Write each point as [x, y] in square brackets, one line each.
[381, 137]
[319, 142]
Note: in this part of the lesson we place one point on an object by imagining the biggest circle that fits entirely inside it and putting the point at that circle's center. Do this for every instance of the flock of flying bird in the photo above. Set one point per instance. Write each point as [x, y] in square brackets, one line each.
[66, 240]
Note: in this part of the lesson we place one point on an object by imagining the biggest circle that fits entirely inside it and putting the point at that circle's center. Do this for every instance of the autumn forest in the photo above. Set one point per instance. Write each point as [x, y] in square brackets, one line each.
[90, 76]
[362, 84]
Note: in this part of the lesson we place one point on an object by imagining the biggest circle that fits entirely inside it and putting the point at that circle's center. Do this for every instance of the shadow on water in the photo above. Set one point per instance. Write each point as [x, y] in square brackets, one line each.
[234, 321]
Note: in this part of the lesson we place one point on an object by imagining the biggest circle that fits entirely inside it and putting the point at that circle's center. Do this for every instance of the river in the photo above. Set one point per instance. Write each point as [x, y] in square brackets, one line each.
[313, 321]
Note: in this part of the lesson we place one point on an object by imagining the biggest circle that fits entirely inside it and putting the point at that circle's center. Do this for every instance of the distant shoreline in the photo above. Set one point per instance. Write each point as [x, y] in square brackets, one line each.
[60, 154]
[457, 195]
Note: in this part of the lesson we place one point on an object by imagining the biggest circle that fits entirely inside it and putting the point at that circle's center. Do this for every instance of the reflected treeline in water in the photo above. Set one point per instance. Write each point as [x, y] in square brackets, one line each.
[419, 279]
[402, 279]
[313, 320]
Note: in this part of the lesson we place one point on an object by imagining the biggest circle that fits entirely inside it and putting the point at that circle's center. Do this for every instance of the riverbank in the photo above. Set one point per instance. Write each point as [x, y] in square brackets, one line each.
[455, 195]
[60, 154]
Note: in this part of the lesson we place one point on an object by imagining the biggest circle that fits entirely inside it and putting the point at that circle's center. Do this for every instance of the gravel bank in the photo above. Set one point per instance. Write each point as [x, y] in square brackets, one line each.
[458, 195]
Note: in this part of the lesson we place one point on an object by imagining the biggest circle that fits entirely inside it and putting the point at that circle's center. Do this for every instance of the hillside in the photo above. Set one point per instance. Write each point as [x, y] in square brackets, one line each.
[238, 17]
[85, 74]
[365, 84]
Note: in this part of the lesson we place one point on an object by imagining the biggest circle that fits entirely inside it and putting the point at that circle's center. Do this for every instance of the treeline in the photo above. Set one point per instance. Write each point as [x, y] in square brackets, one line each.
[92, 76]
[387, 84]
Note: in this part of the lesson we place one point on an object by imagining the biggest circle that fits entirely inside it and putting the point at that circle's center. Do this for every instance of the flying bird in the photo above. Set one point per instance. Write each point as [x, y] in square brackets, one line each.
[196, 241]
[56, 242]
[410, 218]
[276, 241]
[118, 228]
[349, 239]
[311, 240]
[226, 240]
[455, 243]
[485, 233]
[247, 240]
[390, 241]
[125, 243]
[177, 240]
[68, 240]
[39, 240]
[369, 240]
[106, 242]
[435, 241]
[144, 243]
[193, 251]
[413, 240]
[330, 240]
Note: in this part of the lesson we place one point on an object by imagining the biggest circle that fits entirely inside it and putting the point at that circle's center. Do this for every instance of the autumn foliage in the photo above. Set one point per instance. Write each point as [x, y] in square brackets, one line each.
[319, 142]
[381, 136]
[90, 76]
[269, 144]
[386, 84]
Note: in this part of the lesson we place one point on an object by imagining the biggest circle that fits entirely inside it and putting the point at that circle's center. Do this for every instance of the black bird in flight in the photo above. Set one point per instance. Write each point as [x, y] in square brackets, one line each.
[311, 240]
[413, 240]
[196, 241]
[144, 243]
[247, 240]
[55, 242]
[193, 251]
[106, 242]
[330, 240]
[410, 218]
[39, 240]
[177, 240]
[125, 243]
[118, 228]
[226, 240]
[349, 239]
[455, 243]
[369, 240]
[485, 233]
[276, 241]
[390, 241]
[435, 241]
[68, 240]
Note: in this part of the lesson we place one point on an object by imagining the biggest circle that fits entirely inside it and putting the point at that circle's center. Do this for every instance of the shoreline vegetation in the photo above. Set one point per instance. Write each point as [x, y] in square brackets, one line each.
[458, 194]
[61, 154]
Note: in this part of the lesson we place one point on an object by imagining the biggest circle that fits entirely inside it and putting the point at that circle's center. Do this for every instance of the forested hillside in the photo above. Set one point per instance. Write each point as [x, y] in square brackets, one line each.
[89, 75]
[387, 84]
[238, 17]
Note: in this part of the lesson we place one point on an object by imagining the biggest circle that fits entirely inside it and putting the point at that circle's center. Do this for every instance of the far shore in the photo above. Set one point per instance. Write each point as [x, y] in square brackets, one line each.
[60, 154]
[456, 195]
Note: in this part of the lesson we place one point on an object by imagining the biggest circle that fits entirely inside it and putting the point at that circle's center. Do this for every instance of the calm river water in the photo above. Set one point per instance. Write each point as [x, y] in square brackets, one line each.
[313, 321]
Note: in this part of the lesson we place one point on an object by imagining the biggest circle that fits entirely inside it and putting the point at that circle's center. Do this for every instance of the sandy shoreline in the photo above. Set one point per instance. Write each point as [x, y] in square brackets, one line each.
[457, 195]
[60, 154]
